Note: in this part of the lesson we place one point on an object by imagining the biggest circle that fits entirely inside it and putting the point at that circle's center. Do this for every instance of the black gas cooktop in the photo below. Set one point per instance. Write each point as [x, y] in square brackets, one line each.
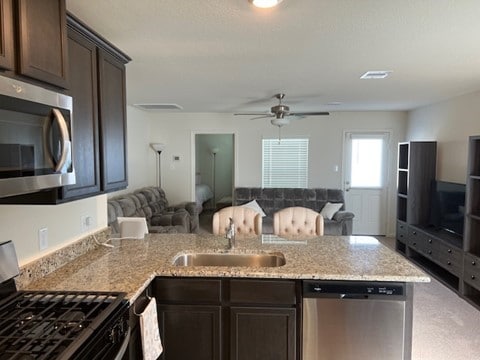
[61, 325]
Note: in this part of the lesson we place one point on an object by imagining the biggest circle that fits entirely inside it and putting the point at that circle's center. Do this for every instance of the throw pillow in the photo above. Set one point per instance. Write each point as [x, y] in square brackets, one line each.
[330, 209]
[254, 205]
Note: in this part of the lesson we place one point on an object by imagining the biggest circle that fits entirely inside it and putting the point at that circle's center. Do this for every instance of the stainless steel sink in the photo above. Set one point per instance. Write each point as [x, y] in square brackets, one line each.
[230, 259]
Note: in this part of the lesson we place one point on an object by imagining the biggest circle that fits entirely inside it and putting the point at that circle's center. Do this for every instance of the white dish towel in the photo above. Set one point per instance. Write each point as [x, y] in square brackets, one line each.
[151, 342]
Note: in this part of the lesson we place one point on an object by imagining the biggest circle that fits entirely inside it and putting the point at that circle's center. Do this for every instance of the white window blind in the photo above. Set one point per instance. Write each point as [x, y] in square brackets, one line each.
[285, 163]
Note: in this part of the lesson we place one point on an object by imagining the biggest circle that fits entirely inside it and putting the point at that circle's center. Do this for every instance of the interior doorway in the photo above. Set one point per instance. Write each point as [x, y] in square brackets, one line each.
[214, 170]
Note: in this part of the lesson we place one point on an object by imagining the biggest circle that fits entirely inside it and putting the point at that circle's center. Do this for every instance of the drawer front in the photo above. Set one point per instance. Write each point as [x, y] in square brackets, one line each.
[450, 252]
[471, 273]
[271, 292]
[450, 256]
[402, 231]
[187, 290]
[417, 240]
[448, 261]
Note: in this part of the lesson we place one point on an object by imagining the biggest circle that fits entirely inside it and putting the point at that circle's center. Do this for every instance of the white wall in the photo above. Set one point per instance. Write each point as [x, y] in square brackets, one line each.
[21, 223]
[325, 152]
[450, 123]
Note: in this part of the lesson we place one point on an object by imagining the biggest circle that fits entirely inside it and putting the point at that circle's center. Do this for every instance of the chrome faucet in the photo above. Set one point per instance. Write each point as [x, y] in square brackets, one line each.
[230, 235]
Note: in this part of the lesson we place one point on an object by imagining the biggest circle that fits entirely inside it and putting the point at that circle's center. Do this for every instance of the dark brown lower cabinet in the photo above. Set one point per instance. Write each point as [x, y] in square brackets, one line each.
[190, 331]
[262, 333]
[237, 319]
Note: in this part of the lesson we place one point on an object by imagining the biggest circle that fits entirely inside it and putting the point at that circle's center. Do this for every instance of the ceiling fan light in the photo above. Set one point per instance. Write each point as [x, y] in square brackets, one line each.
[265, 3]
[280, 121]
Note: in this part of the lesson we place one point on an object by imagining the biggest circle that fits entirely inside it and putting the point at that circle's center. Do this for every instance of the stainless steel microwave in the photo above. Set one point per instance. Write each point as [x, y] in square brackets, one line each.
[35, 138]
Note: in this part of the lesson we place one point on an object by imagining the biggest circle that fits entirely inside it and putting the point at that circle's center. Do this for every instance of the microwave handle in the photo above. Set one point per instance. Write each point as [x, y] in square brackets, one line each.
[65, 138]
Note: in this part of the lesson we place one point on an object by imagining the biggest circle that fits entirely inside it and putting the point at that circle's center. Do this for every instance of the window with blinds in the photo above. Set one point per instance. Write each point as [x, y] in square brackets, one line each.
[285, 163]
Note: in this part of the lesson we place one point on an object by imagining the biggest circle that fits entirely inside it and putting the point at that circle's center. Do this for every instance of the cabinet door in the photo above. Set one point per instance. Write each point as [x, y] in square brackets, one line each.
[190, 332]
[112, 122]
[7, 60]
[42, 41]
[262, 333]
[83, 89]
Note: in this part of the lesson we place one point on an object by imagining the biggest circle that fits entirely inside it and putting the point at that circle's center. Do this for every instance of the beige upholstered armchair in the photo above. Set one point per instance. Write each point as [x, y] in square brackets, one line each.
[295, 221]
[247, 221]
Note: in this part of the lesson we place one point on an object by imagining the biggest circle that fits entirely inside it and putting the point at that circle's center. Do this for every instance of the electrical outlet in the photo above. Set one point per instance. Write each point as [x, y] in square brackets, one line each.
[43, 238]
[86, 222]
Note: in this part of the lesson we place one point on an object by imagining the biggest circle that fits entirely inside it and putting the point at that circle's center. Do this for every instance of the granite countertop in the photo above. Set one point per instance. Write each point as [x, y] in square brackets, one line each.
[131, 264]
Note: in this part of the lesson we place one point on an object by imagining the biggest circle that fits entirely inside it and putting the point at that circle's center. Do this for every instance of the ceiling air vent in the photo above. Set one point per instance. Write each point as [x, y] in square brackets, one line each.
[151, 107]
[376, 74]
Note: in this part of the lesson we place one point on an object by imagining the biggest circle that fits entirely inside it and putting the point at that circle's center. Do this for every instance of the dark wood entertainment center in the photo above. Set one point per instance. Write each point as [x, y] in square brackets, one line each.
[452, 259]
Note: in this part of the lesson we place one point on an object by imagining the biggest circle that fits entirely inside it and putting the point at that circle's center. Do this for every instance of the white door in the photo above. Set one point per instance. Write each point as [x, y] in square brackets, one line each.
[366, 158]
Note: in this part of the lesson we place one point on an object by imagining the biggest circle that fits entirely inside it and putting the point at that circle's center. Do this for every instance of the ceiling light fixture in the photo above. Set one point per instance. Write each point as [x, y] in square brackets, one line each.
[265, 3]
[377, 74]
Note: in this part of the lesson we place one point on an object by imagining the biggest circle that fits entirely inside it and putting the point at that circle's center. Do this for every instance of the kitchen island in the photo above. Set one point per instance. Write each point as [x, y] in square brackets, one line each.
[239, 312]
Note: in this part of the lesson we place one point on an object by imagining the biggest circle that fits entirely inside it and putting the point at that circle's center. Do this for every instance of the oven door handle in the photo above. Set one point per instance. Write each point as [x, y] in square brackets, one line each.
[124, 347]
[64, 139]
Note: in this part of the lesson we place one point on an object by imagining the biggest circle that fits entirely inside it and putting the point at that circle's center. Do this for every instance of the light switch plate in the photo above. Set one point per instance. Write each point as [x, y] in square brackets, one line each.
[43, 238]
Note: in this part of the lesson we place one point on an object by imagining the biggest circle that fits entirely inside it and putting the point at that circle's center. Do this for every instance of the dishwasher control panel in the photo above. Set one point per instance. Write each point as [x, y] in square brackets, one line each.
[351, 288]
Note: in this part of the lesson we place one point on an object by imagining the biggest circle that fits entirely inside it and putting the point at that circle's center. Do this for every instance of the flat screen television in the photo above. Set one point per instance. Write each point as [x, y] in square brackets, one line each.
[447, 206]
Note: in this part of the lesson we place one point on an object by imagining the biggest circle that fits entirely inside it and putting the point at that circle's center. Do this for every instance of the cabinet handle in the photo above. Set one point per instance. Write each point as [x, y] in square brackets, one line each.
[473, 277]
[414, 233]
[449, 263]
[474, 263]
[429, 252]
[414, 244]
[429, 241]
[449, 251]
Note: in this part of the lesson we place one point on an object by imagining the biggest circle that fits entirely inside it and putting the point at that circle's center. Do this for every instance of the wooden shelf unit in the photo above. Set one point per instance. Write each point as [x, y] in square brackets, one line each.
[416, 170]
[453, 260]
[471, 246]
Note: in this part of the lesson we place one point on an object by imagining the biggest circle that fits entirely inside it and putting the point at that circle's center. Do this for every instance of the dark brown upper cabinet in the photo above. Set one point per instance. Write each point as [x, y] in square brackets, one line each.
[7, 52]
[112, 122]
[83, 89]
[42, 41]
[99, 94]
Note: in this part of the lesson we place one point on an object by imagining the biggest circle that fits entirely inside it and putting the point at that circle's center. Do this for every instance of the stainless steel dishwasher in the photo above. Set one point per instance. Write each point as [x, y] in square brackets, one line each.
[346, 320]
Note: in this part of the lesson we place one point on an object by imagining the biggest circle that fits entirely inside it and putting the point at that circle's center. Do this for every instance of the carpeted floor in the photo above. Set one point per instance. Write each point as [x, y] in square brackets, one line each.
[445, 327]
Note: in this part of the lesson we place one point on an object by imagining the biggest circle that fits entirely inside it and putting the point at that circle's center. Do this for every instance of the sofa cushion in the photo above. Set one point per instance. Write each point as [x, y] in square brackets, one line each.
[156, 199]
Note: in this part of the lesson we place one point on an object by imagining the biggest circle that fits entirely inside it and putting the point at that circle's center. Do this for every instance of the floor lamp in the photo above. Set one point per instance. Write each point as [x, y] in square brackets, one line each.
[158, 149]
[214, 152]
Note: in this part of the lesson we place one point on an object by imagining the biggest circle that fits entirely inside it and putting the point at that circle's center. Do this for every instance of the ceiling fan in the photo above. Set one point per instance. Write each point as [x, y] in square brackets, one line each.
[280, 113]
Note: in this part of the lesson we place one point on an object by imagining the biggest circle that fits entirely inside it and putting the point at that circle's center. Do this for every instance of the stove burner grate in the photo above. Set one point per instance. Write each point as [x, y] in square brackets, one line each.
[47, 325]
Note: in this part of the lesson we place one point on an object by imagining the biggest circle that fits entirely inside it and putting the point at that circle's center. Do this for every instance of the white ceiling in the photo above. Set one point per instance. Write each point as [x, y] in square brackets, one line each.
[227, 56]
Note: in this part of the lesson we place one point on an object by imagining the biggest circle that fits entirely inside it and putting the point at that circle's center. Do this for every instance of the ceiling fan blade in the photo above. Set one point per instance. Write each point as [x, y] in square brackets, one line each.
[255, 113]
[262, 117]
[308, 113]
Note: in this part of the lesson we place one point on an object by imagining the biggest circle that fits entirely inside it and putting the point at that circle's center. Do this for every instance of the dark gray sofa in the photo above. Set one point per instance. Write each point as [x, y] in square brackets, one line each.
[151, 203]
[273, 199]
